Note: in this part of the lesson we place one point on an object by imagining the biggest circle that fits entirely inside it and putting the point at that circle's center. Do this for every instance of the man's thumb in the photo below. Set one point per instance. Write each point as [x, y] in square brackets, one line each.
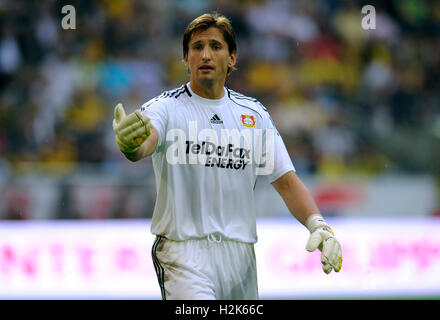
[314, 241]
[119, 113]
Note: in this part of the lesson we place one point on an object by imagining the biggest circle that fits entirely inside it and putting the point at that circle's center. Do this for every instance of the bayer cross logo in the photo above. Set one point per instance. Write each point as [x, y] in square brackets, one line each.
[216, 119]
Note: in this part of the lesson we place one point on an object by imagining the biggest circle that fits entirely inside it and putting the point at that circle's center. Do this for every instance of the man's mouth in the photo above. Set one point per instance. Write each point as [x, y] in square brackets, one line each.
[206, 68]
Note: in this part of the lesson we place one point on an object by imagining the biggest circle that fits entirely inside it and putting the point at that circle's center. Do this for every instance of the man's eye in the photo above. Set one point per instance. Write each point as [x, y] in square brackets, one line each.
[216, 47]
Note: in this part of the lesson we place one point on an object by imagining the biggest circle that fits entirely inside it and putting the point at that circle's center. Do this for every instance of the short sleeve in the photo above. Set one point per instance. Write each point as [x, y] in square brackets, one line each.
[157, 112]
[282, 162]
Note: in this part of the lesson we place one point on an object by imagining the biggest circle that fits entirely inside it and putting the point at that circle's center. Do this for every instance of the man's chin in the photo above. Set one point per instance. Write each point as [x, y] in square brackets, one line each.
[208, 75]
[206, 81]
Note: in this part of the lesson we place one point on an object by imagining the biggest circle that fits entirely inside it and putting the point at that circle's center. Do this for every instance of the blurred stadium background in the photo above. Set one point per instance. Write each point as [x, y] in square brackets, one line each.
[359, 111]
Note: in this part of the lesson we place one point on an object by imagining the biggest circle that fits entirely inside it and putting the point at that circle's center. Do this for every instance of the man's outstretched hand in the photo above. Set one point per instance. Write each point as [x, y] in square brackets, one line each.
[132, 130]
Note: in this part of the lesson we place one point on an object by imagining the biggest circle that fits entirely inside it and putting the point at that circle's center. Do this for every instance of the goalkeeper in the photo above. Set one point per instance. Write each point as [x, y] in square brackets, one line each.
[204, 217]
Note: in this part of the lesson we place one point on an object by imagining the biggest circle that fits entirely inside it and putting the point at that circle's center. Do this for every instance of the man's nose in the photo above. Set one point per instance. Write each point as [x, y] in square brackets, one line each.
[206, 53]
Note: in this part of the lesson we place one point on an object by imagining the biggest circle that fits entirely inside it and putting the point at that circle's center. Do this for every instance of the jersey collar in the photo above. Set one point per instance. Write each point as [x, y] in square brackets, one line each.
[205, 101]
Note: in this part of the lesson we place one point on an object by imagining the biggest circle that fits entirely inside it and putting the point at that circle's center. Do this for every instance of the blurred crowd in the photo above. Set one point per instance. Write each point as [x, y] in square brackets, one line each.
[345, 99]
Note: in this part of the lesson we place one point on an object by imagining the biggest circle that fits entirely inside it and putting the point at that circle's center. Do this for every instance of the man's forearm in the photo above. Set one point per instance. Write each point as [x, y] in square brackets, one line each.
[300, 202]
[296, 196]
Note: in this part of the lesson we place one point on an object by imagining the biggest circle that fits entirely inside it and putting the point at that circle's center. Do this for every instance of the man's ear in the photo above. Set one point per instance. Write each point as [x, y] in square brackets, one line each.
[232, 59]
[185, 60]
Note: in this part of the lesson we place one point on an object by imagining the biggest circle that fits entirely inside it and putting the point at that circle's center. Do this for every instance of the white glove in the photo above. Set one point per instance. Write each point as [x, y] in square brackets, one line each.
[322, 237]
[132, 130]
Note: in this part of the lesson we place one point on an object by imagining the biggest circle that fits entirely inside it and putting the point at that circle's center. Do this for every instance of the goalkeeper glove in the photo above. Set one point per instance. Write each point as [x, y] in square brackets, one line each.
[322, 237]
[132, 130]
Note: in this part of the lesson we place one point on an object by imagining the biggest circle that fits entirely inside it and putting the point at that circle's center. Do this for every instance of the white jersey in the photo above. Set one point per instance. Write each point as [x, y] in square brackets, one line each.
[207, 161]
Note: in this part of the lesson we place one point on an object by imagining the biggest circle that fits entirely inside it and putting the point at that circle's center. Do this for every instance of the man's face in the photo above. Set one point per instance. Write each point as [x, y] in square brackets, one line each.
[208, 57]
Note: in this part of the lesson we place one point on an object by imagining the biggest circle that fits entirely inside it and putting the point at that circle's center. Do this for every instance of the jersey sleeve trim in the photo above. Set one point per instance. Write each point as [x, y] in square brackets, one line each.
[174, 93]
[246, 102]
[281, 173]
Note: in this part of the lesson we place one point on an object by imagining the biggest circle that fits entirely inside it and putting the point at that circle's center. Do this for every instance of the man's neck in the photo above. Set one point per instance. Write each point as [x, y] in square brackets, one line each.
[214, 91]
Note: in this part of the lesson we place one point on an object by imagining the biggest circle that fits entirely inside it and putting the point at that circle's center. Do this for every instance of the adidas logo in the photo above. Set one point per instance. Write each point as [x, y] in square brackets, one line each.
[216, 119]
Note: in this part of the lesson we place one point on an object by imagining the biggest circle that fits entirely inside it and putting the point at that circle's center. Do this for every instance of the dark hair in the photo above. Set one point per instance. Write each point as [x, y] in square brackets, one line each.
[206, 21]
